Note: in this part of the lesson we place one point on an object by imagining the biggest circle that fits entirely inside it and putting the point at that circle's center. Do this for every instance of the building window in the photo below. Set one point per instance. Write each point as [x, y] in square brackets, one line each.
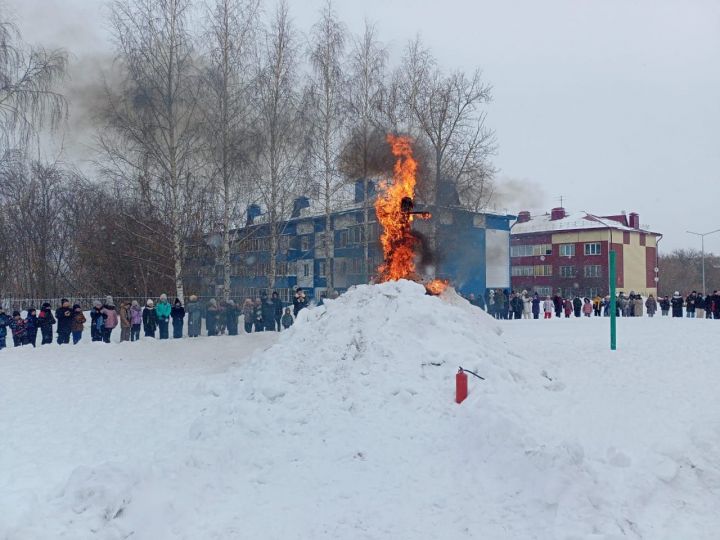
[343, 238]
[593, 270]
[592, 292]
[305, 242]
[593, 248]
[531, 250]
[321, 268]
[522, 271]
[306, 269]
[543, 270]
[567, 271]
[567, 250]
[543, 291]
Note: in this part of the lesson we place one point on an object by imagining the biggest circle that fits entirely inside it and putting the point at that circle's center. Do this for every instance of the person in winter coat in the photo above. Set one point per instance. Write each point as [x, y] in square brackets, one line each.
[149, 318]
[268, 314]
[78, 324]
[278, 308]
[177, 314]
[677, 305]
[64, 316]
[536, 306]
[31, 327]
[211, 316]
[665, 305]
[45, 323]
[577, 304]
[248, 313]
[568, 308]
[690, 305]
[587, 307]
[622, 306]
[597, 304]
[221, 324]
[125, 321]
[651, 306]
[548, 307]
[299, 301]
[97, 321]
[558, 304]
[638, 309]
[714, 305]
[162, 310]
[136, 319]
[700, 306]
[4, 324]
[111, 318]
[287, 320]
[194, 312]
[231, 318]
[17, 326]
[257, 316]
[527, 305]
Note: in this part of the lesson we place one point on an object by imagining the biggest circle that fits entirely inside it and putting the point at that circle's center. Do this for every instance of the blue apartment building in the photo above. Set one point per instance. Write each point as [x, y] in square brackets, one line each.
[471, 250]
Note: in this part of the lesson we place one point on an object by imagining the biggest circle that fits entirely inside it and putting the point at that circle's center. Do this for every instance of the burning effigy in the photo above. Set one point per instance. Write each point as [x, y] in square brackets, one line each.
[395, 209]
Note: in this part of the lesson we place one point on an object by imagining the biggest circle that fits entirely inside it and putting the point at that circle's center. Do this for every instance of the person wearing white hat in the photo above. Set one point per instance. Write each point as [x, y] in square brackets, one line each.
[150, 319]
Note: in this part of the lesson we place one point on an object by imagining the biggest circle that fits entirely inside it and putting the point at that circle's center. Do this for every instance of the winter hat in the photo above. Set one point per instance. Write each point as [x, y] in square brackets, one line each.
[109, 300]
[213, 302]
[97, 303]
[230, 303]
[46, 304]
[177, 301]
[193, 298]
[676, 293]
[76, 306]
[163, 297]
[63, 300]
[135, 303]
[16, 313]
[150, 303]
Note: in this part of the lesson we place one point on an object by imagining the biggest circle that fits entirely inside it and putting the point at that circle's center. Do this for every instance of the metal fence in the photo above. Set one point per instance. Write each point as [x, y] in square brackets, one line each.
[86, 302]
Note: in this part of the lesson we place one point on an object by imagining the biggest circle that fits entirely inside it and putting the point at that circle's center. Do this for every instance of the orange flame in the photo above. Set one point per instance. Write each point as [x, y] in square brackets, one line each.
[437, 286]
[397, 239]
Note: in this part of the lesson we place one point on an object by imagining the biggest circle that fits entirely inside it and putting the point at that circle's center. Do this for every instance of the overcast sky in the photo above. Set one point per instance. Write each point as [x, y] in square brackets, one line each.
[612, 104]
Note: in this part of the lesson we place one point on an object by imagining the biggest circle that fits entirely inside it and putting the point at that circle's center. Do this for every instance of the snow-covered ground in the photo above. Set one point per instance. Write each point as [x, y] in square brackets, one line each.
[345, 427]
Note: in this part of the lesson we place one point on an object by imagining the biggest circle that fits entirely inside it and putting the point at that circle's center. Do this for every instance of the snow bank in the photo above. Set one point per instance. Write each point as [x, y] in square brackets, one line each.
[347, 428]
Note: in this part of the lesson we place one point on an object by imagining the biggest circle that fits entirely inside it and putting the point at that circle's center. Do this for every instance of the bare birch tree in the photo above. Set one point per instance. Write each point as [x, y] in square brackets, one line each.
[156, 115]
[280, 128]
[327, 50]
[228, 79]
[29, 78]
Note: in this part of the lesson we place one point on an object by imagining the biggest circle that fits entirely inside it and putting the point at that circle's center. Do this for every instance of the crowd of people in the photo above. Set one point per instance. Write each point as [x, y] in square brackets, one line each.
[265, 313]
[505, 304]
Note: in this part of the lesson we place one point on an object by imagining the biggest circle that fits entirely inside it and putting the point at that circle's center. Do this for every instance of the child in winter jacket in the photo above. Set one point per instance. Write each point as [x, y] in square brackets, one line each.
[46, 320]
[17, 325]
[149, 318]
[177, 314]
[194, 312]
[587, 308]
[287, 320]
[548, 307]
[78, 324]
[162, 310]
[31, 327]
[125, 321]
[97, 321]
[4, 323]
[111, 318]
[211, 318]
[231, 318]
[248, 313]
[136, 319]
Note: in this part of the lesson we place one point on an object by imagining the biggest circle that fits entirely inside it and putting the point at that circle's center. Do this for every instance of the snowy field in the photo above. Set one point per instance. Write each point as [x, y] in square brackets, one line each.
[345, 427]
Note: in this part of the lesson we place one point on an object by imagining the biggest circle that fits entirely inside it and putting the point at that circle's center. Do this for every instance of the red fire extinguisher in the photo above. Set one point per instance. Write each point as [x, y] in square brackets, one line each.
[461, 386]
[461, 383]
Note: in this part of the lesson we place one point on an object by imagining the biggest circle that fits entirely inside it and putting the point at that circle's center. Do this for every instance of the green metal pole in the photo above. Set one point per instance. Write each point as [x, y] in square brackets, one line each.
[613, 303]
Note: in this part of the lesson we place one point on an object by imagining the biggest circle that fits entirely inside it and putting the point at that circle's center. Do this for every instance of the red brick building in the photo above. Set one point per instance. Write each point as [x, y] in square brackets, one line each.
[569, 253]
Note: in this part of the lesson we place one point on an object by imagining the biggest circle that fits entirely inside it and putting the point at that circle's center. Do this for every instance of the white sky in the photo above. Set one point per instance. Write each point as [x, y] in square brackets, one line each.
[612, 104]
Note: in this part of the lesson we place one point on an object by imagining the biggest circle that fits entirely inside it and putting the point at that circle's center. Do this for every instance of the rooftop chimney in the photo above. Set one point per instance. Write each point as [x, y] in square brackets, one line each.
[634, 220]
[557, 213]
[523, 217]
[298, 205]
[253, 211]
